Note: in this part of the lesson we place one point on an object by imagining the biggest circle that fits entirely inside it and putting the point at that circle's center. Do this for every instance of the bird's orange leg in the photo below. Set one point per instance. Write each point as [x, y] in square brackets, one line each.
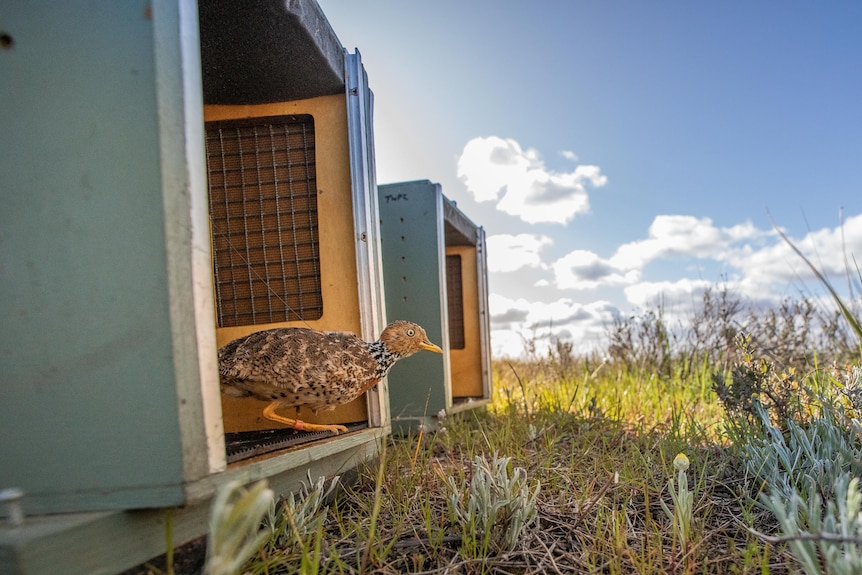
[270, 414]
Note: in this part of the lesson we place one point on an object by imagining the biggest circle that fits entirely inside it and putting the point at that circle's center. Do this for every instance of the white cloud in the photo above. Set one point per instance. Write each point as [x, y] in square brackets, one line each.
[676, 235]
[507, 253]
[760, 273]
[506, 343]
[667, 294]
[516, 321]
[669, 236]
[497, 169]
[581, 270]
[826, 248]
[506, 312]
[756, 264]
[487, 165]
[759, 262]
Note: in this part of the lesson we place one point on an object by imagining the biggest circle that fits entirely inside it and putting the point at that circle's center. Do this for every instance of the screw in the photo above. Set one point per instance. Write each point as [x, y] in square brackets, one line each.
[12, 498]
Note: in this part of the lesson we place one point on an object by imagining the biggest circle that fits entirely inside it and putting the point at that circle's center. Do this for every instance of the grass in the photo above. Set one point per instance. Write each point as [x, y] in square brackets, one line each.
[695, 450]
[592, 465]
[596, 463]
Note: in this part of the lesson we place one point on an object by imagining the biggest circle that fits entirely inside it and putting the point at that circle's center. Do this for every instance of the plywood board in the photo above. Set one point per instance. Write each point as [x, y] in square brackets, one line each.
[337, 249]
[466, 364]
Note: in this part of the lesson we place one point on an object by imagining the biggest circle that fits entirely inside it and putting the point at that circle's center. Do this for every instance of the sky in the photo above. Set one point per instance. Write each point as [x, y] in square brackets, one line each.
[620, 154]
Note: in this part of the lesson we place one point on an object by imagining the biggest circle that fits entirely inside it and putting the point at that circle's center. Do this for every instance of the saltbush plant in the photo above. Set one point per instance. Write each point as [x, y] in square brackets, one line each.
[495, 507]
[234, 530]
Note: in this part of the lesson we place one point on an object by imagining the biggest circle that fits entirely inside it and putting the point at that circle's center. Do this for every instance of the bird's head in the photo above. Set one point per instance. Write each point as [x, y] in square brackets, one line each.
[405, 338]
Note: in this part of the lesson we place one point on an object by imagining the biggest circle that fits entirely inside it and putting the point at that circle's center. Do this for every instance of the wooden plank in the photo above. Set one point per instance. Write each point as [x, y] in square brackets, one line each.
[460, 231]
[184, 192]
[246, 414]
[466, 363]
[463, 404]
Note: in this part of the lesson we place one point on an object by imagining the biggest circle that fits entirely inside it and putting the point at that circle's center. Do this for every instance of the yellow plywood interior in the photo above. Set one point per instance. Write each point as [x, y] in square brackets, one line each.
[337, 251]
[466, 364]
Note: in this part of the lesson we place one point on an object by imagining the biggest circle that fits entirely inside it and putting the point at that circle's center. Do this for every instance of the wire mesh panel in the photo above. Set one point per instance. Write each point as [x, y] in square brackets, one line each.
[455, 303]
[263, 204]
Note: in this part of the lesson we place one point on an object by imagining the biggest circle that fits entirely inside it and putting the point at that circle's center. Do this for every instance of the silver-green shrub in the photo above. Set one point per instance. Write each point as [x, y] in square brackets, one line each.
[291, 519]
[234, 529]
[497, 505]
[811, 485]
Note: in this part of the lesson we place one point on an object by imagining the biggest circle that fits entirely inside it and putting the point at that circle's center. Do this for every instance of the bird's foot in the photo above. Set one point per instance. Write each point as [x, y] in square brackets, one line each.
[299, 425]
[303, 426]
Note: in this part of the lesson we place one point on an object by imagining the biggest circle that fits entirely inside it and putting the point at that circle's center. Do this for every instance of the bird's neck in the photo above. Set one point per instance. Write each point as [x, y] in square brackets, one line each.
[385, 358]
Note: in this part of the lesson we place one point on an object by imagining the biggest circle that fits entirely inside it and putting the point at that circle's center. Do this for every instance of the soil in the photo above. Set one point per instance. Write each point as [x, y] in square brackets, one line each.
[189, 559]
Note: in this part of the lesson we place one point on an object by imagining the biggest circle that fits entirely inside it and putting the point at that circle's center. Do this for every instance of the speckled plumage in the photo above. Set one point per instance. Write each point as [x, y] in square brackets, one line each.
[294, 367]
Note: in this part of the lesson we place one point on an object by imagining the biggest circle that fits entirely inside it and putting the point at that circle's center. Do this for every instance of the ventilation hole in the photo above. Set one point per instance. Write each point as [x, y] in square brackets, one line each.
[455, 301]
[6, 41]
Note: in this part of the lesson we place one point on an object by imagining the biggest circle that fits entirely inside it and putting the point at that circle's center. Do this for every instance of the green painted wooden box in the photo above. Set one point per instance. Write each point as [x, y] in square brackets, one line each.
[435, 270]
[109, 394]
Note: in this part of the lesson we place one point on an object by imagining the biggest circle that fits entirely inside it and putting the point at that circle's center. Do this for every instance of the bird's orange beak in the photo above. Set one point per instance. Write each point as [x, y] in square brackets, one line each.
[428, 346]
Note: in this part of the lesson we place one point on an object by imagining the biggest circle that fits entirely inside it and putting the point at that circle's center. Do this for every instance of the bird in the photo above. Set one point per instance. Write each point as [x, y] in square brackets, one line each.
[295, 367]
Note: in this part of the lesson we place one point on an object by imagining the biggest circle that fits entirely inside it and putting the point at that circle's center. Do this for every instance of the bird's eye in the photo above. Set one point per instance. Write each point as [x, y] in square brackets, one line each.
[411, 332]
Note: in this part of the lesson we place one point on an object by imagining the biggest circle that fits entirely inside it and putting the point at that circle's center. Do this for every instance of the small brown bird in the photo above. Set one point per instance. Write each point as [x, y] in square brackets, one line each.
[296, 367]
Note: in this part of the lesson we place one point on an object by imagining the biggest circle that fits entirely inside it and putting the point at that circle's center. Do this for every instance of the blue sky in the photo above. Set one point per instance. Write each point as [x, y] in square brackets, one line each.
[616, 152]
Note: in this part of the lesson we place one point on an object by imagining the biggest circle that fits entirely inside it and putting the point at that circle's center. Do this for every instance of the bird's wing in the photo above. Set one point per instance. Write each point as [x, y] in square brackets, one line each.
[275, 356]
[334, 364]
[323, 367]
